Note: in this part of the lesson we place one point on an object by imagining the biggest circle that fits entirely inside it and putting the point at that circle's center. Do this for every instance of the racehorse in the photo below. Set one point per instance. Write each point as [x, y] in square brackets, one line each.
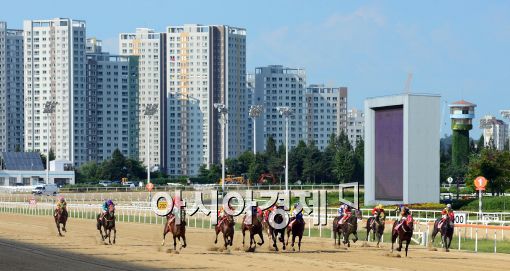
[254, 228]
[60, 216]
[376, 224]
[297, 229]
[108, 223]
[178, 230]
[337, 230]
[278, 219]
[446, 229]
[404, 233]
[350, 226]
[227, 228]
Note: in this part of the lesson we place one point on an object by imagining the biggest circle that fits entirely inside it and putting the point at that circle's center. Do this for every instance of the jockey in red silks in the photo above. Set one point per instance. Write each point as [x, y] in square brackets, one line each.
[379, 208]
[222, 215]
[446, 212]
[176, 208]
[347, 214]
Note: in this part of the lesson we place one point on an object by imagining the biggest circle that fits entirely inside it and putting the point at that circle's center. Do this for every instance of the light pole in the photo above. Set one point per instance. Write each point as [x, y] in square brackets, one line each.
[150, 110]
[286, 112]
[255, 112]
[224, 116]
[49, 108]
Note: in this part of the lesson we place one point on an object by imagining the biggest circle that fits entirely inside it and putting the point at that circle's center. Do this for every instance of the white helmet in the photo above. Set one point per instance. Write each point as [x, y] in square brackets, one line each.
[448, 206]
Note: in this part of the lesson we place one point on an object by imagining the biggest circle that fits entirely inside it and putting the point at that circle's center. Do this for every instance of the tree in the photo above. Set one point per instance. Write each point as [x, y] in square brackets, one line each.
[257, 167]
[494, 166]
[114, 168]
[311, 163]
[359, 162]
[296, 159]
[87, 172]
[270, 146]
[344, 165]
[52, 155]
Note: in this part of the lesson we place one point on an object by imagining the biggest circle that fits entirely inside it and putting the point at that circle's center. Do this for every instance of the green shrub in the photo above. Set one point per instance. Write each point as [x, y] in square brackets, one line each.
[491, 204]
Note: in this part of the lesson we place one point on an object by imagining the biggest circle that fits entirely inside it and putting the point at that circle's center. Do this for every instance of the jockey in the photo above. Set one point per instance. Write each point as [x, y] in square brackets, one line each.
[341, 210]
[222, 214]
[405, 216]
[347, 214]
[446, 212]
[106, 205]
[61, 204]
[378, 209]
[296, 213]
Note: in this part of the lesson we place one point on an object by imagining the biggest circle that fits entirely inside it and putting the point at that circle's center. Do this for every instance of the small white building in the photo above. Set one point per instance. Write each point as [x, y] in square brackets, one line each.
[26, 169]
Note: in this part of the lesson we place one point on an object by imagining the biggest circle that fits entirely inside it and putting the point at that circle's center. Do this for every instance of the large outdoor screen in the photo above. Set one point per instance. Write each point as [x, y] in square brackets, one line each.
[389, 139]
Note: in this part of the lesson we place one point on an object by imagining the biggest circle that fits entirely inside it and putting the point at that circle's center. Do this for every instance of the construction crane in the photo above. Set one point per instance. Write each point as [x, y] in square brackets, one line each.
[407, 88]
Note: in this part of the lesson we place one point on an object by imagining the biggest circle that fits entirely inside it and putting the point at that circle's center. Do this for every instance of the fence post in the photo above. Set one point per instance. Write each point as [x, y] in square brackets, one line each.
[495, 238]
[476, 240]
[459, 241]
[309, 226]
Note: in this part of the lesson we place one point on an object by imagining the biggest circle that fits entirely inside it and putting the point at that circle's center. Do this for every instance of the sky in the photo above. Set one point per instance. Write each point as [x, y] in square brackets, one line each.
[457, 49]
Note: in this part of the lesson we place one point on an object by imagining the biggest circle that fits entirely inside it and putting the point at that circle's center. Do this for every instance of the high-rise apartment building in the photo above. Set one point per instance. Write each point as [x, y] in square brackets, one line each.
[495, 132]
[11, 89]
[206, 65]
[326, 113]
[55, 70]
[278, 86]
[150, 47]
[355, 126]
[112, 103]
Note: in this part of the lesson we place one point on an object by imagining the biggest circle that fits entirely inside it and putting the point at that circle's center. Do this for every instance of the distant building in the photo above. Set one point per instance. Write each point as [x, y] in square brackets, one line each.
[55, 70]
[495, 132]
[112, 103]
[26, 168]
[355, 126]
[326, 113]
[279, 86]
[11, 89]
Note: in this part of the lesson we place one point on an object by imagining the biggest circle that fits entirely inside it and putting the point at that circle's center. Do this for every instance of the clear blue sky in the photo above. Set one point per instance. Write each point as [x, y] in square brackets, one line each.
[459, 49]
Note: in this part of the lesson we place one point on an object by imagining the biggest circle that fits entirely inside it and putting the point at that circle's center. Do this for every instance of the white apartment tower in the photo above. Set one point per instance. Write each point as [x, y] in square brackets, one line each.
[355, 126]
[150, 48]
[112, 104]
[495, 132]
[11, 89]
[55, 70]
[206, 65]
[278, 86]
[326, 113]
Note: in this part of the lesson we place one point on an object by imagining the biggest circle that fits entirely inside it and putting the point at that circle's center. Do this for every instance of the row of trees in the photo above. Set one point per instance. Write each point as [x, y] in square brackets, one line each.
[485, 161]
[116, 168]
[339, 162]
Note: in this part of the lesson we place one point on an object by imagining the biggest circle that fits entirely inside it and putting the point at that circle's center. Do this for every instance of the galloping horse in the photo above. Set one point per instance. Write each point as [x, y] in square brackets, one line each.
[297, 229]
[178, 231]
[278, 219]
[337, 230]
[60, 216]
[227, 228]
[350, 226]
[446, 229]
[108, 223]
[404, 233]
[376, 224]
[254, 228]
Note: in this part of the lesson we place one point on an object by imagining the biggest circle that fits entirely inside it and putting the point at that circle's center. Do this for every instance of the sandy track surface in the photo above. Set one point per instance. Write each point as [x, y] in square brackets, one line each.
[31, 243]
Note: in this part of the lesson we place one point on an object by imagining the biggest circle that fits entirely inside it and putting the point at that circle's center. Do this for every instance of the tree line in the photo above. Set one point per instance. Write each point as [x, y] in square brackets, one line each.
[485, 161]
[339, 162]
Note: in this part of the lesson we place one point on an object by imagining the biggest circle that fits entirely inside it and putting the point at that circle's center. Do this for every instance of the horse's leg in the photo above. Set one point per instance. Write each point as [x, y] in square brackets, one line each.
[399, 244]
[64, 226]
[58, 228]
[184, 240]
[225, 239]
[175, 241]
[299, 242]
[217, 232]
[114, 234]
[293, 240]
[407, 244]
[261, 234]
[243, 231]
[393, 238]
[288, 235]
[165, 231]
[334, 236]
[274, 236]
[283, 239]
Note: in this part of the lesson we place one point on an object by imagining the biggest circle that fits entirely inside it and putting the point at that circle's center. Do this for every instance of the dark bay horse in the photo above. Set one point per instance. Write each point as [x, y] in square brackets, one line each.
[350, 226]
[404, 233]
[107, 222]
[297, 229]
[178, 230]
[255, 228]
[376, 224]
[337, 230]
[446, 229]
[60, 216]
[277, 234]
[226, 226]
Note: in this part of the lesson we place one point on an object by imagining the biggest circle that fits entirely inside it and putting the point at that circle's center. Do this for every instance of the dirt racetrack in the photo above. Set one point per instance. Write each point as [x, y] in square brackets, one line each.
[31, 243]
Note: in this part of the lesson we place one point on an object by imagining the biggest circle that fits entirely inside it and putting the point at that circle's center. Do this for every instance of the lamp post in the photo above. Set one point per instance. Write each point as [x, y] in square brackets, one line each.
[286, 112]
[254, 113]
[224, 116]
[150, 110]
[49, 108]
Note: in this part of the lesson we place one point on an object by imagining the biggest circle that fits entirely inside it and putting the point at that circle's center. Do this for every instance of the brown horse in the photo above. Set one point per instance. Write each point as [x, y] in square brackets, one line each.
[226, 226]
[60, 216]
[107, 222]
[337, 231]
[446, 229]
[255, 228]
[404, 233]
[350, 226]
[178, 231]
[376, 224]
[297, 229]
